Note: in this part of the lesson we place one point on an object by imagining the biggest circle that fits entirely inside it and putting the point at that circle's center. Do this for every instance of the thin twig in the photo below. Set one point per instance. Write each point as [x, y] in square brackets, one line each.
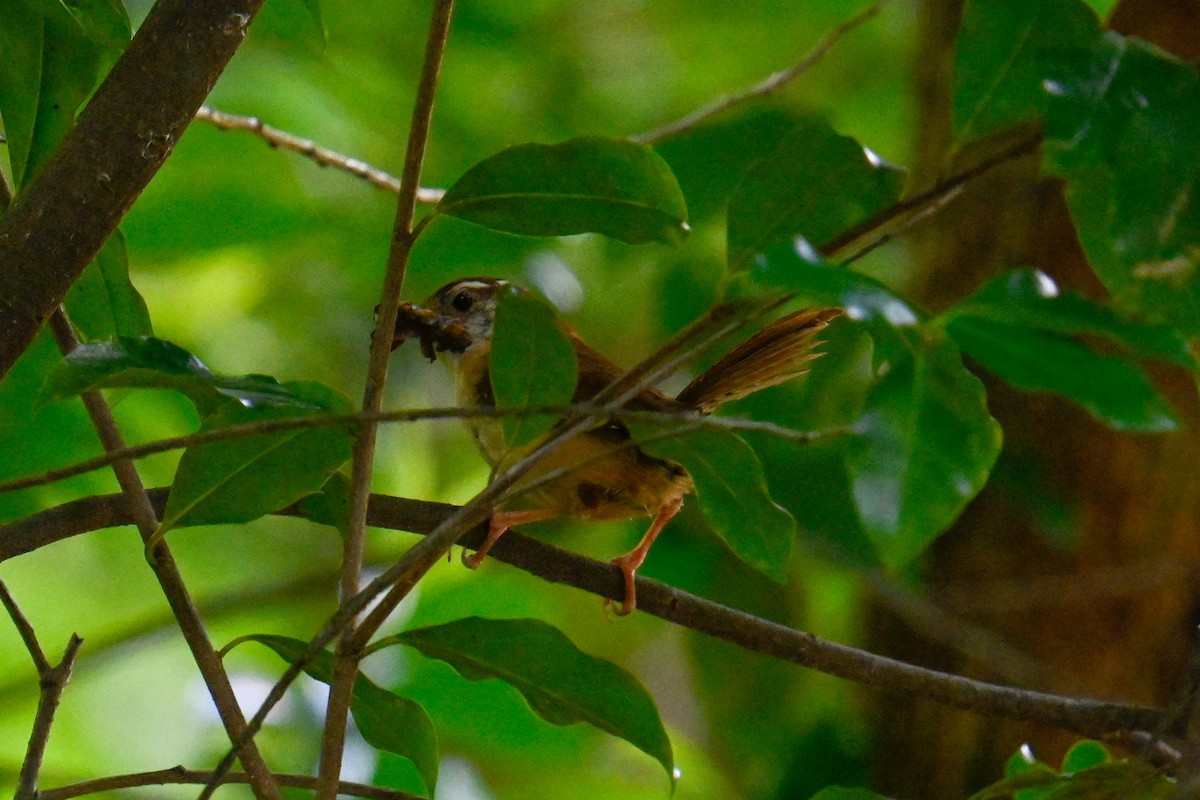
[182, 775]
[1085, 717]
[169, 577]
[855, 242]
[52, 680]
[345, 664]
[772, 83]
[262, 427]
[323, 156]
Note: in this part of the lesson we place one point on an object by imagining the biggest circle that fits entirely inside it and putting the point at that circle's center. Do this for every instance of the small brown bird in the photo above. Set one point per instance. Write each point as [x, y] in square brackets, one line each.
[605, 477]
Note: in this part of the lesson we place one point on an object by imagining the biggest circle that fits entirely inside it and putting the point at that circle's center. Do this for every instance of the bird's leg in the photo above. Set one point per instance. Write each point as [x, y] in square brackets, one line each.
[500, 523]
[630, 562]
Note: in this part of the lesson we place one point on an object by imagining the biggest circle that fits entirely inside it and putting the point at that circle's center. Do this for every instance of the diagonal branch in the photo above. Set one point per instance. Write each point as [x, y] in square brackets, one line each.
[323, 156]
[59, 221]
[404, 236]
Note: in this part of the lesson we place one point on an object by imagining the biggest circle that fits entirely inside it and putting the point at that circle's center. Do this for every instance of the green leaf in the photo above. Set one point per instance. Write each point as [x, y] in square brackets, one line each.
[104, 21]
[331, 505]
[1113, 389]
[148, 363]
[798, 269]
[1031, 298]
[561, 683]
[846, 793]
[710, 159]
[923, 447]
[49, 67]
[924, 443]
[104, 303]
[587, 185]
[238, 480]
[1019, 327]
[1083, 755]
[815, 184]
[1123, 127]
[532, 364]
[732, 491]
[386, 720]
[1005, 50]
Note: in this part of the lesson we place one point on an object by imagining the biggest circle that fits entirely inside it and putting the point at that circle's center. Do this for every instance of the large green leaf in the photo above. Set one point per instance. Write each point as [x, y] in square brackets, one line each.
[104, 302]
[560, 682]
[1123, 127]
[732, 491]
[49, 66]
[924, 446]
[238, 480]
[587, 185]
[1005, 50]
[532, 364]
[924, 443]
[815, 184]
[386, 720]
[1022, 328]
[149, 363]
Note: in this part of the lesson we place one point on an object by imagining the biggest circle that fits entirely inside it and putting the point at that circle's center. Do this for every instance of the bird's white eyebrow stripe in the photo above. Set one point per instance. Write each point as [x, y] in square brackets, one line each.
[474, 285]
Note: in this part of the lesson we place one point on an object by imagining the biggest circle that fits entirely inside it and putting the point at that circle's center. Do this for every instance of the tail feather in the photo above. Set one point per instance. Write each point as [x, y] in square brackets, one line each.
[779, 352]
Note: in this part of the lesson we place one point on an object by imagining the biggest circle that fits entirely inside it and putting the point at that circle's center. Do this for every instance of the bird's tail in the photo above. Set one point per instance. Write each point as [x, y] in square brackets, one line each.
[779, 352]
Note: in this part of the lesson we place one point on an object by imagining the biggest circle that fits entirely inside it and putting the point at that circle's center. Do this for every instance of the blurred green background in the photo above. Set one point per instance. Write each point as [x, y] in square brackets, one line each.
[258, 260]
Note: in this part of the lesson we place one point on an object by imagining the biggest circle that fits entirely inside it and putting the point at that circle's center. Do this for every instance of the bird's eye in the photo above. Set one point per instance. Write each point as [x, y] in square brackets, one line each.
[462, 301]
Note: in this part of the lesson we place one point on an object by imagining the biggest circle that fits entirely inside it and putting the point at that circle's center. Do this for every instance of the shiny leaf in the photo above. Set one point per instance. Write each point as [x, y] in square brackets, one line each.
[386, 720]
[238, 480]
[1005, 50]
[1021, 328]
[1123, 127]
[587, 185]
[149, 363]
[923, 447]
[815, 184]
[732, 492]
[923, 444]
[561, 683]
[532, 364]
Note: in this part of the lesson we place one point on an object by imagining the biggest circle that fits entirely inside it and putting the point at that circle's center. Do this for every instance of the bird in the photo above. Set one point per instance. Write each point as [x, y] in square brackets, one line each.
[600, 474]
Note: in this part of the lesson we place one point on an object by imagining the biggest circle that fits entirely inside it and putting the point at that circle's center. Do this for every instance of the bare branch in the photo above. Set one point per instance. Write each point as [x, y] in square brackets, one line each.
[52, 680]
[772, 83]
[1084, 717]
[182, 775]
[307, 147]
[404, 236]
[59, 221]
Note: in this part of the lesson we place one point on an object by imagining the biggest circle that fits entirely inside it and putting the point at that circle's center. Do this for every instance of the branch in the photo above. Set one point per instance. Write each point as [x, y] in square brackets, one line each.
[59, 221]
[404, 236]
[772, 83]
[52, 680]
[168, 575]
[1083, 717]
[323, 156]
[182, 775]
